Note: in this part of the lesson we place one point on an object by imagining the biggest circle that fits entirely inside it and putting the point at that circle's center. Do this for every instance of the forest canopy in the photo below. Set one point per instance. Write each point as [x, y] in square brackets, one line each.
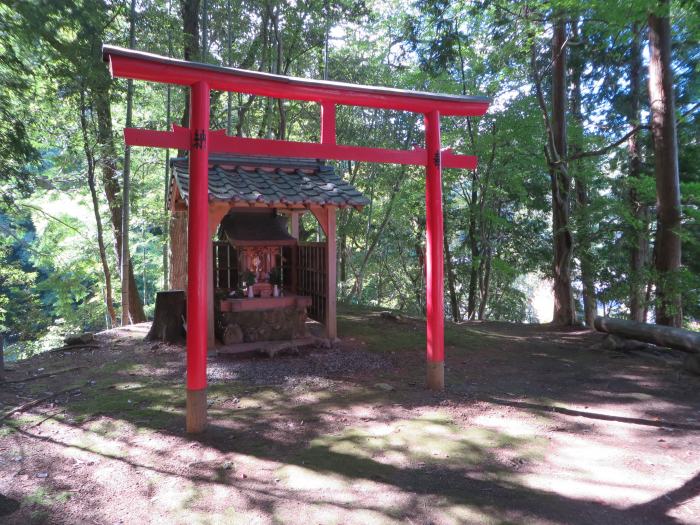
[579, 164]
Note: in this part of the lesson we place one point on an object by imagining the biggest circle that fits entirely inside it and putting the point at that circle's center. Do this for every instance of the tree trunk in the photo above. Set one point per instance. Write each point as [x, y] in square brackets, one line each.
[112, 190]
[178, 250]
[584, 227]
[126, 186]
[639, 243]
[166, 192]
[486, 239]
[419, 290]
[281, 110]
[668, 197]
[343, 248]
[229, 94]
[474, 249]
[205, 31]
[346, 215]
[486, 284]
[584, 243]
[166, 176]
[671, 337]
[90, 158]
[266, 65]
[449, 271]
[564, 309]
[189, 9]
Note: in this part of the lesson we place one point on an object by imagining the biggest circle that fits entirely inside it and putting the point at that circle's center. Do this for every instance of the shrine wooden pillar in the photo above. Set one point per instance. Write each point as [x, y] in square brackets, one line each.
[331, 269]
[211, 336]
[434, 296]
[198, 259]
[217, 211]
[294, 217]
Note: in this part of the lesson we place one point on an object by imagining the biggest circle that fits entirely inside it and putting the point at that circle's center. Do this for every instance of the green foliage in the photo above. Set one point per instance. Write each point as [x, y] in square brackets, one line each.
[18, 157]
[21, 311]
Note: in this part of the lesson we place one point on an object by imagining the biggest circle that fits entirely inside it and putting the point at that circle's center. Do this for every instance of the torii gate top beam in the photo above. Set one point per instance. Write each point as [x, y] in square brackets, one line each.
[138, 65]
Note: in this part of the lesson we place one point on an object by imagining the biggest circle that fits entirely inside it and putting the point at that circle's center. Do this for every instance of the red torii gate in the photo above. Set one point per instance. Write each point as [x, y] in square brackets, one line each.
[200, 140]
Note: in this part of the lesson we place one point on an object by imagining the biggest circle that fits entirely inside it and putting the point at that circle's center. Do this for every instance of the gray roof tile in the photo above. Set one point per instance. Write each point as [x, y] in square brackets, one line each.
[271, 181]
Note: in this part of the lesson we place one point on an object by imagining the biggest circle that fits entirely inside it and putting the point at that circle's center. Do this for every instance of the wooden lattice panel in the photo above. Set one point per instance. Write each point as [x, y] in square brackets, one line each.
[312, 278]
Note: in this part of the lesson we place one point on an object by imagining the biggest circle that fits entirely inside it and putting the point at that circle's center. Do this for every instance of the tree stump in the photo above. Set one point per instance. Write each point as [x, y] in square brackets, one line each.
[168, 323]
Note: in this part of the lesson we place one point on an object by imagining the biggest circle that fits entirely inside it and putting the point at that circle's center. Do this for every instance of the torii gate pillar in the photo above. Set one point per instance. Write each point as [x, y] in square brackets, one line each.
[434, 296]
[197, 270]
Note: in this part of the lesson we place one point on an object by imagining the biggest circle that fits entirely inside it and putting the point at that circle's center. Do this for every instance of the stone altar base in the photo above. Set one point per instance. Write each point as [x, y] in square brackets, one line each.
[278, 324]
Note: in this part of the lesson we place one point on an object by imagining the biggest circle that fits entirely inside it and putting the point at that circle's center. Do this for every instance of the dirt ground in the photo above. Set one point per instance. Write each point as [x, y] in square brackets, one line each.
[537, 425]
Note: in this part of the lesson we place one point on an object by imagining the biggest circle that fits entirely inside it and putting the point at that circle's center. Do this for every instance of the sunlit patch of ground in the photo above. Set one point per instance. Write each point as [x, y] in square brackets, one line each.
[535, 427]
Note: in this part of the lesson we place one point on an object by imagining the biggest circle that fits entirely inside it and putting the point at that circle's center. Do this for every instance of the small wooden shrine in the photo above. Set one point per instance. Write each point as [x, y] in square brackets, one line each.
[266, 277]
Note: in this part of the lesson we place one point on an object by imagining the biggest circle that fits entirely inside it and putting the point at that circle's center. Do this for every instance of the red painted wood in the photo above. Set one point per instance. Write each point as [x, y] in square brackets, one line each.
[321, 217]
[434, 296]
[197, 237]
[178, 138]
[156, 68]
[452, 160]
[264, 303]
[221, 143]
[245, 146]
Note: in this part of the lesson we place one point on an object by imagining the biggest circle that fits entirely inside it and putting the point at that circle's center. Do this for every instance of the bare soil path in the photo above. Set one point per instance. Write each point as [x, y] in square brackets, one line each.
[536, 426]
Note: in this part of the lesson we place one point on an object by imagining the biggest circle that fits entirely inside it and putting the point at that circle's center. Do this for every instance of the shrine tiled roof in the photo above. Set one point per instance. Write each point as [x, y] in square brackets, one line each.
[256, 226]
[271, 181]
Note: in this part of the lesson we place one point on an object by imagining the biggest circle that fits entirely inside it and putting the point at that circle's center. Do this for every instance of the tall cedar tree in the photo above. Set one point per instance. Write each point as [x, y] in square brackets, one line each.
[668, 194]
[564, 309]
[639, 243]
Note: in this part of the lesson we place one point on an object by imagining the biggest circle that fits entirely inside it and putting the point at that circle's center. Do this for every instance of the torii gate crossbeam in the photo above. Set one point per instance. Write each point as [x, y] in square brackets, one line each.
[200, 141]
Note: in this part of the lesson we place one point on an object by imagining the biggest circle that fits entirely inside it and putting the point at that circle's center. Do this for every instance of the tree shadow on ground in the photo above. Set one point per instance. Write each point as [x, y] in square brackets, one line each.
[593, 415]
[543, 363]
[469, 483]
[467, 476]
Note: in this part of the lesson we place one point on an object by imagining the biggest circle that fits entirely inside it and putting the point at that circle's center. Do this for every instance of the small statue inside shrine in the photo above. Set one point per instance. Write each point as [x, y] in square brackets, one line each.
[259, 262]
[261, 276]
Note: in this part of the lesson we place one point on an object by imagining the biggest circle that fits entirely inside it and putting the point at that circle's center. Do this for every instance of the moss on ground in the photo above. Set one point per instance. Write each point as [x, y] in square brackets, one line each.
[42, 500]
[379, 450]
[407, 334]
[156, 403]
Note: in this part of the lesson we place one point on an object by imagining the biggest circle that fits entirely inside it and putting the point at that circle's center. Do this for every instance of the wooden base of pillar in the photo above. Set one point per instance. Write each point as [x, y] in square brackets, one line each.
[436, 375]
[196, 411]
